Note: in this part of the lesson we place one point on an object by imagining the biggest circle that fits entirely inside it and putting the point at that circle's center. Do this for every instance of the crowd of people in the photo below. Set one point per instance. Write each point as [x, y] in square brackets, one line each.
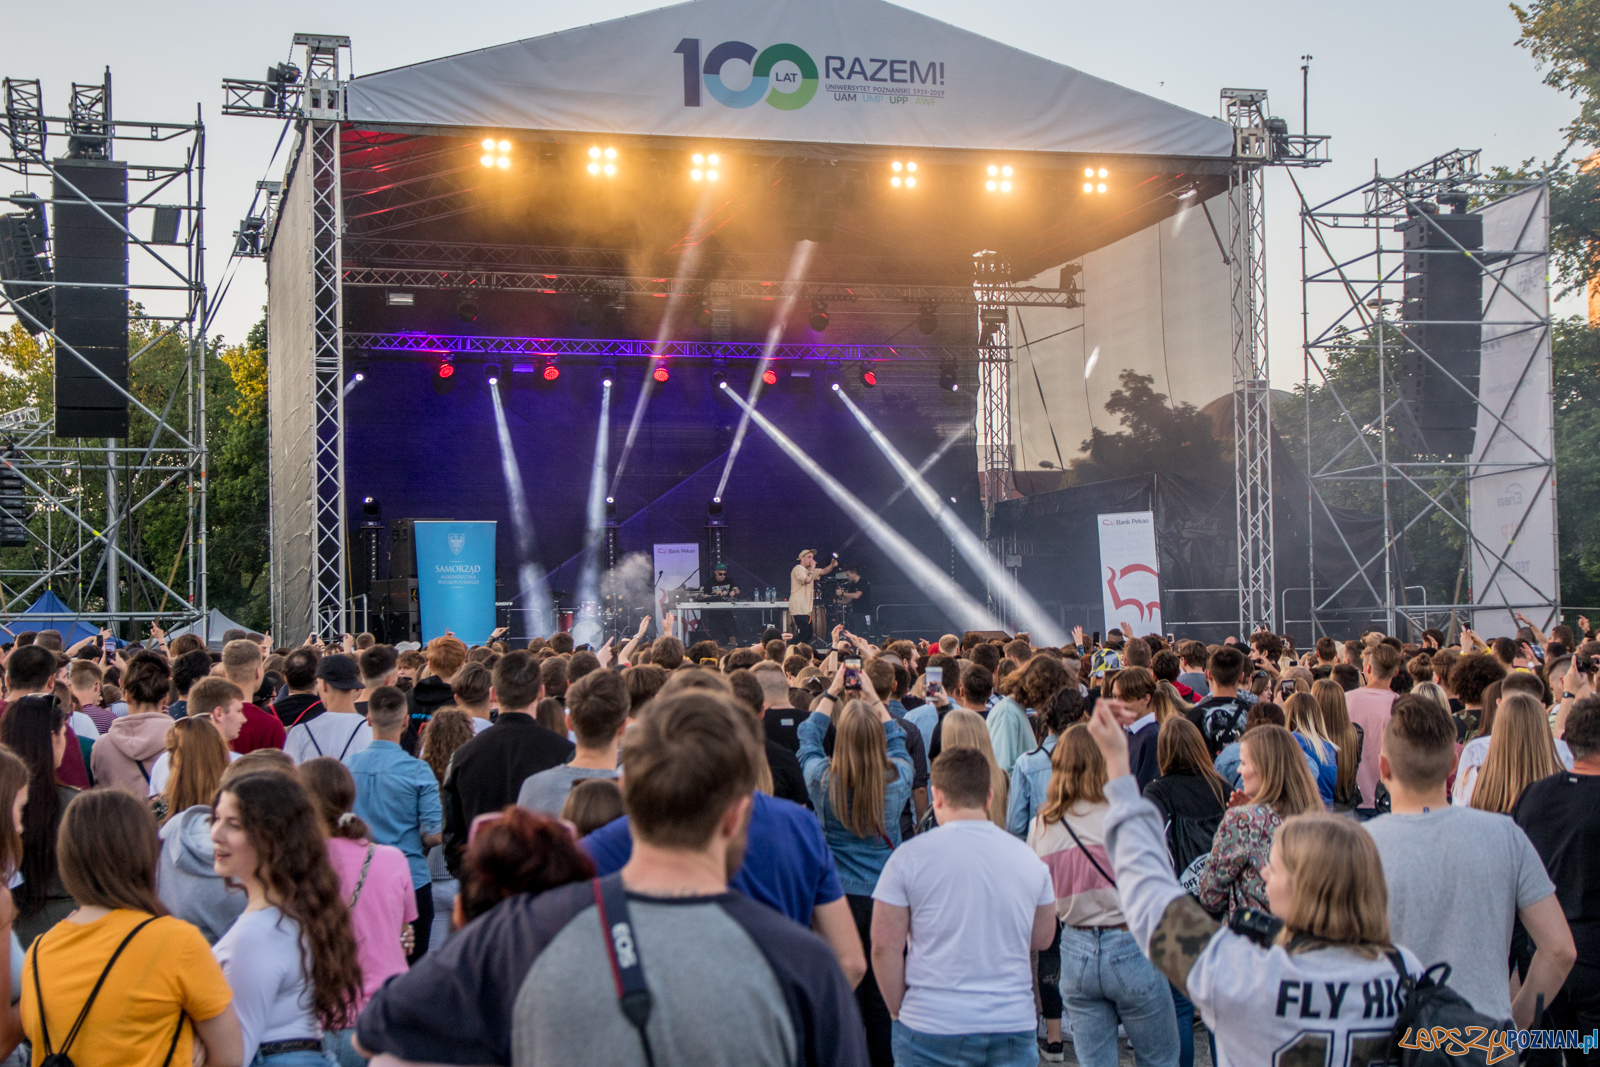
[974, 851]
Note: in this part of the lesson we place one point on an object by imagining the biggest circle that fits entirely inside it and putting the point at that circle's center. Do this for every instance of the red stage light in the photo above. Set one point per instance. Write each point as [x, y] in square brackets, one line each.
[446, 370]
[769, 376]
[660, 374]
[869, 378]
[551, 372]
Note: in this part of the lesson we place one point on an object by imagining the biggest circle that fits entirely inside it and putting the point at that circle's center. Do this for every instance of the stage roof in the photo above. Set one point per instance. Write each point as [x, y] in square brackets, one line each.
[836, 72]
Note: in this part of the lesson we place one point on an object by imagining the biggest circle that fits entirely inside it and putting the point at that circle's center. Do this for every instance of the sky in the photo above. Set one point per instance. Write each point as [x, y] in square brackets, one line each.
[1395, 83]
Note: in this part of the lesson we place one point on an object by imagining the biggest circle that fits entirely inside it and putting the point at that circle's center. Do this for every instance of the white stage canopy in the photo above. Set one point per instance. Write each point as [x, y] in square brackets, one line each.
[838, 72]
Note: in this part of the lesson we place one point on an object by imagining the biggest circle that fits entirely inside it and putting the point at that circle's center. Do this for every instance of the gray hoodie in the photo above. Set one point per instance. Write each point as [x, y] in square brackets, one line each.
[188, 885]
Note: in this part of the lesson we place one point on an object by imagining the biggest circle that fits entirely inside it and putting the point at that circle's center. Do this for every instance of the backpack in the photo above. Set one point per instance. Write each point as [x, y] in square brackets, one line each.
[1223, 723]
[1431, 1009]
[63, 1057]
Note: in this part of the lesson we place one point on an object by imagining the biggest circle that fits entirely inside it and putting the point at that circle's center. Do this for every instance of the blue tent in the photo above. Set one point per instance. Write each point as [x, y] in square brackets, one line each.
[49, 612]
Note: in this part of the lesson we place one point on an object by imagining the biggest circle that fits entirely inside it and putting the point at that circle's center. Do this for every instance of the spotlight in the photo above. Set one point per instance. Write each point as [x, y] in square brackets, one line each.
[819, 315]
[467, 308]
[1102, 172]
[1088, 172]
[719, 373]
[928, 316]
[999, 178]
[370, 508]
[660, 374]
[769, 377]
[608, 374]
[1006, 172]
[487, 161]
[993, 170]
[702, 316]
[1088, 187]
[496, 153]
[895, 181]
[362, 369]
[444, 376]
[504, 163]
[947, 378]
[714, 508]
[586, 312]
[551, 372]
[991, 185]
[897, 166]
[491, 373]
[611, 507]
[911, 183]
[834, 379]
[869, 377]
[1005, 187]
[698, 159]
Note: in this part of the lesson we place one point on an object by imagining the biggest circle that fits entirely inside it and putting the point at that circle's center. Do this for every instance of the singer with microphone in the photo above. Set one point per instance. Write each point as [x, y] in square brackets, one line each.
[802, 590]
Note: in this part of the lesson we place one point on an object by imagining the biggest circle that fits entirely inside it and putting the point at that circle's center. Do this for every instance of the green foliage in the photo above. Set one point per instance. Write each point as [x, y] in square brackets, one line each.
[1157, 437]
[1577, 434]
[1564, 37]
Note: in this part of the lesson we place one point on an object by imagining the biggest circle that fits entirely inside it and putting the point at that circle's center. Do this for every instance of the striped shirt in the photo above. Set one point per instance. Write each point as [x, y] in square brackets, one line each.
[1084, 896]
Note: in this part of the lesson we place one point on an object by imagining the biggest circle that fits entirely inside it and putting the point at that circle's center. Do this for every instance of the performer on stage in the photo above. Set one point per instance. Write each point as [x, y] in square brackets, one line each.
[720, 624]
[802, 587]
[853, 594]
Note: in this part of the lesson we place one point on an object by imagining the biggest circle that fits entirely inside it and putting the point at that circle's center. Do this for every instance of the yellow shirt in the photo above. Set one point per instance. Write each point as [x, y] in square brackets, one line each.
[166, 968]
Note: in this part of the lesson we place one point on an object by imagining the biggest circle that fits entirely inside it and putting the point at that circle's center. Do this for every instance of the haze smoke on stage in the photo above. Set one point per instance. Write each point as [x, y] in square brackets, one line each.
[947, 596]
[587, 627]
[1030, 616]
[922, 468]
[535, 594]
[631, 583]
[687, 266]
[797, 272]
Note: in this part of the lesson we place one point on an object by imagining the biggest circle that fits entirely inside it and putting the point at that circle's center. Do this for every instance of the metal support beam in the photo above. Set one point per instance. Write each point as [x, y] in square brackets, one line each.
[1246, 111]
[328, 571]
[990, 284]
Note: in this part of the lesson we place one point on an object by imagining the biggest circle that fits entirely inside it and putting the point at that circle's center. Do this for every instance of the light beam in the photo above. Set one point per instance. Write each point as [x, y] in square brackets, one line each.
[587, 627]
[537, 617]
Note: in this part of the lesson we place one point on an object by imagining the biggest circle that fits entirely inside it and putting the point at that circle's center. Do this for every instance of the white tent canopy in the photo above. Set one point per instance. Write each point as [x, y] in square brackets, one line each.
[846, 72]
[211, 629]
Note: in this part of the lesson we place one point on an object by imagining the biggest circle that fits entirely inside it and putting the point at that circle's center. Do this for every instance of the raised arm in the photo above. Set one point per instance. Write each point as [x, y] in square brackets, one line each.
[1171, 928]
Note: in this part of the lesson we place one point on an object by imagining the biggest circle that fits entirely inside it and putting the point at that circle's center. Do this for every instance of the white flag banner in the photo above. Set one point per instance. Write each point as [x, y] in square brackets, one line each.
[1130, 573]
[677, 566]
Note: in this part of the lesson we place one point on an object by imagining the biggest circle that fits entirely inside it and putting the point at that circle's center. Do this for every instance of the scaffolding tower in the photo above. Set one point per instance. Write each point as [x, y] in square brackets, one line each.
[1420, 519]
[84, 504]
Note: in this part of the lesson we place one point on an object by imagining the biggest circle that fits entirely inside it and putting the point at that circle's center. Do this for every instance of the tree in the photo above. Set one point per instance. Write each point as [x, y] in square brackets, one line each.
[1157, 437]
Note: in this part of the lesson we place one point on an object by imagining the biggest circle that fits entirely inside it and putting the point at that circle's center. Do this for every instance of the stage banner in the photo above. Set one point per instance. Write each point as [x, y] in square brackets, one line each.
[1511, 494]
[455, 579]
[677, 566]
[1130, 573]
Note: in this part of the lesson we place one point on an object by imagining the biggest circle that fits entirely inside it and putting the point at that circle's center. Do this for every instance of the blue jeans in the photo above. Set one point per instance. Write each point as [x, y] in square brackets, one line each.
[338, 1044]
[915, 1049]
[1105, 977]
[1184, 1008]
[292, 1059]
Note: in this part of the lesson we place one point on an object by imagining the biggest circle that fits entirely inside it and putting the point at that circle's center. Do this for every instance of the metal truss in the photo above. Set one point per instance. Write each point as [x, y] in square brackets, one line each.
[435, 345]
[328, 570]
[991, 278]
[84, 500]
[1351, 250]
[1246, 111]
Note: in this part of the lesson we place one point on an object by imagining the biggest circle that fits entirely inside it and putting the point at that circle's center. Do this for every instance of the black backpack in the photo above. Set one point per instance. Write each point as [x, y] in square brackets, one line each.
[63, 1058]
[1223, 723]
[1430, 1006]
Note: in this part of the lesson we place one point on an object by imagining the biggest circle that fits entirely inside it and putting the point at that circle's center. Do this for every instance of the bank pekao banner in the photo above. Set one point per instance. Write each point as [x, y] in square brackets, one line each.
[1130, 573]
[455, 579]
[677, 567]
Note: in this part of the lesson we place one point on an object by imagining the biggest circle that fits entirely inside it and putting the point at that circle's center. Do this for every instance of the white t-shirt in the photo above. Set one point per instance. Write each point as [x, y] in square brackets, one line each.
[260, 957]
[1473, 755]
[333, 733]
[161, 770]
[82, 725]
[973, 890]
[479, 725]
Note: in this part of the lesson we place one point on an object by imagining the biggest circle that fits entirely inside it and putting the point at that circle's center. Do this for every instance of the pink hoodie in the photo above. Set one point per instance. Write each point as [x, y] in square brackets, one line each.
[123, 756]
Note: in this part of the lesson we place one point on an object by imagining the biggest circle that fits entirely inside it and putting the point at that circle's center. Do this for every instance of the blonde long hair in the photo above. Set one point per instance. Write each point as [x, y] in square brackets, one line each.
[196, 757]
[966, 729]
[1286, 784]
[1305, 718]
[1340, 896]
[1521, 751]
[1077, 774]
[858, 779]
[1329, 696]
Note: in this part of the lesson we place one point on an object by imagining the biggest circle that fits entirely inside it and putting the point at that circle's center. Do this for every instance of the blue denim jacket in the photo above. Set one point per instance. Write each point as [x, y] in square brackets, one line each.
[1030, 782]
[860, 859]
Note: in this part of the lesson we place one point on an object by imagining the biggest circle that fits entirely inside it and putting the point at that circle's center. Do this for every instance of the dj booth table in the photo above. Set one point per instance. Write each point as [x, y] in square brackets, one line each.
[772, 612]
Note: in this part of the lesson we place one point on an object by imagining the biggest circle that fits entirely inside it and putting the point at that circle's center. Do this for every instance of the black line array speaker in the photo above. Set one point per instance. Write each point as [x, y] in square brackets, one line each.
[402, 548]
[13, 506]
[91, 298]
[22, 261]
[1442, 313]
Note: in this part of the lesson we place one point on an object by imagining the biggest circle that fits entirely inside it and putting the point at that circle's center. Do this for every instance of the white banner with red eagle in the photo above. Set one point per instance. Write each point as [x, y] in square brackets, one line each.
[1130, 573]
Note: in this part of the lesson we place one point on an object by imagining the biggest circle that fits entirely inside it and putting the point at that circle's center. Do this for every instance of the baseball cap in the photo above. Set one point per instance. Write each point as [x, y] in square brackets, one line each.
[339, 671]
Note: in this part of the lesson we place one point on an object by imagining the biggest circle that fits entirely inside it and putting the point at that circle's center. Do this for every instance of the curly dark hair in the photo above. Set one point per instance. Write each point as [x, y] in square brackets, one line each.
[520, 852]
[448, 730]
[1038, 681]
[1473, 674]
[1064, 709]
[292, 863]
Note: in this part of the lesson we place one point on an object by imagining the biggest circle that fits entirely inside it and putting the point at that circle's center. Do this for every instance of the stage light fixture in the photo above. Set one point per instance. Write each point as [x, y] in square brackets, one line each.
[585, 313]
[496, 153]
[928, 316]
[819, 315]
[947, 378]
[702, 316]
[1088, 187]
[608, 375]
[834, 379]
[602, 161]
[446, 369]
[1100, 188]
[999, 178]
[869, 377]
[550, 371]
[467, 308]
[769, 377]
[400, 300]
[362, 369]
[444, 375]
[491, 373]
[1088, 172]
[714, 508]
[719, 372]
[660, 374]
